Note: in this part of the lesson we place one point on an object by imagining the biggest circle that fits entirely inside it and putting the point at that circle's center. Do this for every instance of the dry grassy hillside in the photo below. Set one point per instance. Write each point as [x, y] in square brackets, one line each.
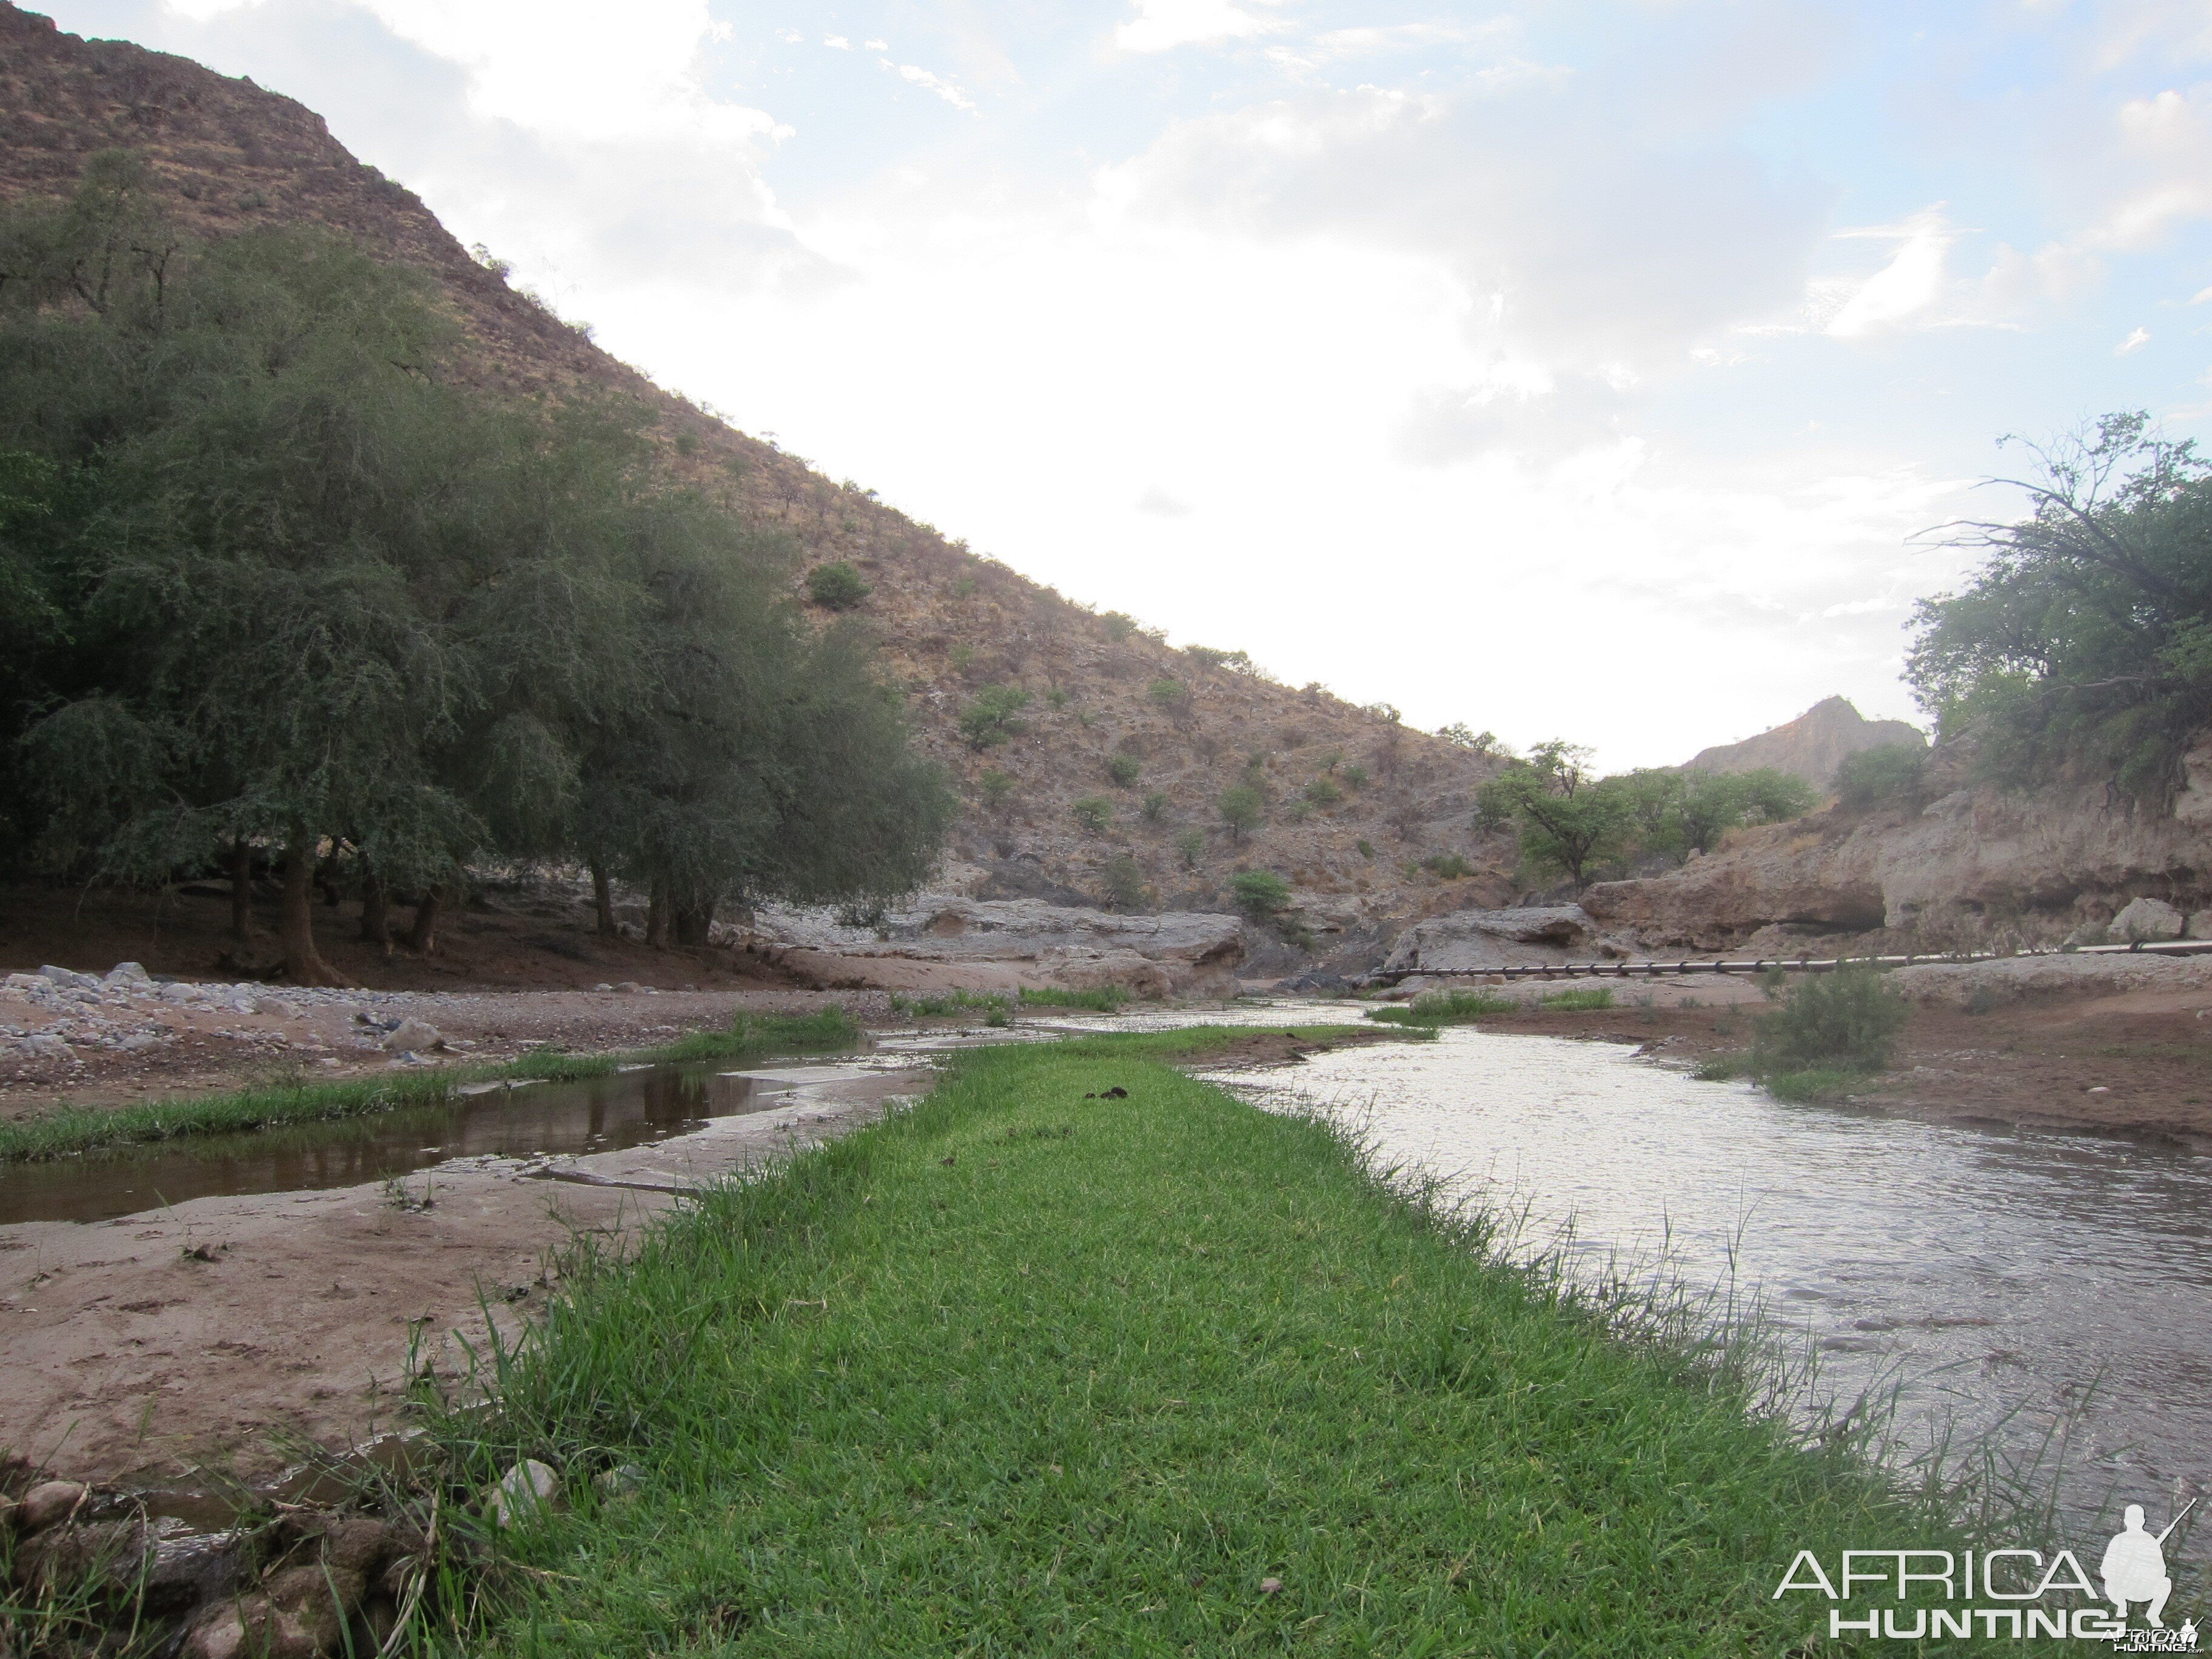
[229, 155]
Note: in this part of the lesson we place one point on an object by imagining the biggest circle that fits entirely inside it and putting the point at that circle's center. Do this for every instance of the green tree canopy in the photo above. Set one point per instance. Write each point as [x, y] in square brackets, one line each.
[2082, 647]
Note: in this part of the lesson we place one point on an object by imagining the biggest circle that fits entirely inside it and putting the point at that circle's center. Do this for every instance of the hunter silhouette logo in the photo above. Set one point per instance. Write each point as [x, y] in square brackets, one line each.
[2135, 1566]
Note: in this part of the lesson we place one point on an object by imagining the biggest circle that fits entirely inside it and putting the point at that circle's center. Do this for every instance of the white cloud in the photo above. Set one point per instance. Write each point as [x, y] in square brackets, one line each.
[1163, 25]
[1907, 288]
[836, 43]
[921, 77]
[2134, 342]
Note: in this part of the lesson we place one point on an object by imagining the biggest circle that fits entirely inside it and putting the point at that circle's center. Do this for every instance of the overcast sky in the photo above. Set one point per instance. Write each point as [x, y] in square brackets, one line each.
[1576, 370]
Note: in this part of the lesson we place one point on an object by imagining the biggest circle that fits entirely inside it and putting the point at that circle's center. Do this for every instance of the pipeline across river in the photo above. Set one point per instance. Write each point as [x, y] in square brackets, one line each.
[1654, 968]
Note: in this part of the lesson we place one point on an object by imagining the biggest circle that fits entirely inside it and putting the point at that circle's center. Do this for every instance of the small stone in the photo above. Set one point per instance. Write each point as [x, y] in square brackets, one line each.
[603, 986]
[523, 1491]
[629, 986]
[412, 1035]
[1270, 1586]
[624, 1480]
[50, 1501]
[2097, 1089]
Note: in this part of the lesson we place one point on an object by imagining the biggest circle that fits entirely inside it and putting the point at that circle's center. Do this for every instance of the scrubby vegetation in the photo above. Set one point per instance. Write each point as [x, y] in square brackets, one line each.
[1126, 888]
[277, 588]
[1124, 769]
[1888, 776]
[1434, 1008]
[1241, 806]
[2082, 648]
[836, 586]
[1094, 813]
[1260, 894]
[1573, 822]
[994, 716]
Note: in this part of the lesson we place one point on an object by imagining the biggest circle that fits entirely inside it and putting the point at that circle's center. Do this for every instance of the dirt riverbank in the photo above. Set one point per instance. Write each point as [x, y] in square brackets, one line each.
[2135, 1061]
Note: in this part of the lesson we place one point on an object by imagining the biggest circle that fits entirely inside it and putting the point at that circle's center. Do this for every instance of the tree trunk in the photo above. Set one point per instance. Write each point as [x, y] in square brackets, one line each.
[241, 888]
[692, 926]
[603, 897]
[375, 911]
[423, 937]
[302, 964]
[656, 915]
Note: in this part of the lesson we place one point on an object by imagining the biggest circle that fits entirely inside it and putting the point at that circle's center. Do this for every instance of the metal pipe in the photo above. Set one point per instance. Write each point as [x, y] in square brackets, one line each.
[2177, 947]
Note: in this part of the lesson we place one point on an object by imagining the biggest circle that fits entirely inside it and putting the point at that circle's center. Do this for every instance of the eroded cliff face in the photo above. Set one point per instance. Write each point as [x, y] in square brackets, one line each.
[1973, 867]
[1811, 746]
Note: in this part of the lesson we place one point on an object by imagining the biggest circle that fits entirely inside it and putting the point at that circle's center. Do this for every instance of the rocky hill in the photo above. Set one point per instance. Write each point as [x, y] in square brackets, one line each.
[1353, 799]
[1811, 746]
[1954, 865]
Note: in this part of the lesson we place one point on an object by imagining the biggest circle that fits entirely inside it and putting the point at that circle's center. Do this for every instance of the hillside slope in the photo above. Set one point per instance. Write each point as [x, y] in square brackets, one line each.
[229, 155]
[1811, 746]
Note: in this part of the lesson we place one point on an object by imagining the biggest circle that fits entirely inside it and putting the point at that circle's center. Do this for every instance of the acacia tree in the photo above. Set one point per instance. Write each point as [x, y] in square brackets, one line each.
[2083, 644]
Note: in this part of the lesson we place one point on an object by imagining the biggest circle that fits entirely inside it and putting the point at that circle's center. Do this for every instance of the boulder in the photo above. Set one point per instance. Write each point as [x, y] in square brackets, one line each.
[412, 1035]
[1473, 941]
[2142, 919]
[68, 978]
[128, 976]
[2199, 925]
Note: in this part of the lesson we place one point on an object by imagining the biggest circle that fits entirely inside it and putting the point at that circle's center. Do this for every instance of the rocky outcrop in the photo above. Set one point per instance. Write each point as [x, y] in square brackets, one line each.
[999, 943]
[1811, 746]
[1477, 941]
[1975, 867]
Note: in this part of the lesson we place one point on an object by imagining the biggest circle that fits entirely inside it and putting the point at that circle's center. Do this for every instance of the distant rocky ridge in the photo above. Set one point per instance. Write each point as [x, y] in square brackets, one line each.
[1811, 746]
[1355, 801]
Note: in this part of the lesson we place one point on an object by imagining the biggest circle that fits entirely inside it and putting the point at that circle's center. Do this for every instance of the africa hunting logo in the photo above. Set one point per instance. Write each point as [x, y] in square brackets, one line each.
[2001, 1593]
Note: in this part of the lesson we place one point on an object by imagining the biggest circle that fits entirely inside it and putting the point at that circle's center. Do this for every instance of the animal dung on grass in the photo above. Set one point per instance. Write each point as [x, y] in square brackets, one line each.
[1117, 1092]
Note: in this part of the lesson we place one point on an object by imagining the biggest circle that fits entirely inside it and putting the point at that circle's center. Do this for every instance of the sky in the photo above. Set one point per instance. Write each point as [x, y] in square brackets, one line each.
[1595, 370]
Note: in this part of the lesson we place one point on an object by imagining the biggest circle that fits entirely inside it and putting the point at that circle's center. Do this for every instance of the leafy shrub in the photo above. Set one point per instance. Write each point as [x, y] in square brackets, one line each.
[836, 586]
[1886, 777]
[1449, 866]
[1124, 769]
[996, 786]
[1125, 883]
[994, 716]
[1093, 812]
[1169, 694]
[1118, 625]
[1260, 894]
[1323, 792]
[952, 1002]
[1365, 848]
[1156, 806]
[1240, 808]
[1847, 1019]
[1355, 777]
[1057, 697]
[1206, 657]
[1191, 845]
[1298, 810]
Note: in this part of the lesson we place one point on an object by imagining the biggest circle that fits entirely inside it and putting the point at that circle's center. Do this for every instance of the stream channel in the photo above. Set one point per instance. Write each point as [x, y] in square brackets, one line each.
[2004, 1282]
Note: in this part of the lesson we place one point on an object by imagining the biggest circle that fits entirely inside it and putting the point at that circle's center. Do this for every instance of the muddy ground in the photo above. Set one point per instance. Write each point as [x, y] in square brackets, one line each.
[2138, 1062]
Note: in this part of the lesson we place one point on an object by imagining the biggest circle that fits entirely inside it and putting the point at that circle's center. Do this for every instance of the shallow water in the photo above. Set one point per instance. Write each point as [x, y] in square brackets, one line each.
[2008, 1279]
[596, 1115]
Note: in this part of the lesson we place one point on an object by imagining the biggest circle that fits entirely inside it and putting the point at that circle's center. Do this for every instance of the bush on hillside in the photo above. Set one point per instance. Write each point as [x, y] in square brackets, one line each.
[1260, 894]
[1888, 776]
[1190, 846]
[994, 716]
[996, 786]
[1124, 769]
[1240, 808]
[836, 586]
[1125, 884]
[1323, 792]
[1169, 694]
[1156, 806]
[1093, 812]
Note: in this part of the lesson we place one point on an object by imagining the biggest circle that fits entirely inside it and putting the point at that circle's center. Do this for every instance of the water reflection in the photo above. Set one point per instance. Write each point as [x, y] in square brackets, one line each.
[596, 1115]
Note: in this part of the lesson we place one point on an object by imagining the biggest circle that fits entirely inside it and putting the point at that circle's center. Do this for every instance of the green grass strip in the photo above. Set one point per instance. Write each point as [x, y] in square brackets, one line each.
[1028, 1370]
[70, 1130]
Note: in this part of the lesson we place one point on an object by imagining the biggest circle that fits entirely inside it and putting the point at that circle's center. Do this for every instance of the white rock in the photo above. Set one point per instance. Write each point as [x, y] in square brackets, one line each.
[128, 975]
[46, 1045]
[527, 1490]
[67, 977]
[412, 1035]
[2146, 918]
